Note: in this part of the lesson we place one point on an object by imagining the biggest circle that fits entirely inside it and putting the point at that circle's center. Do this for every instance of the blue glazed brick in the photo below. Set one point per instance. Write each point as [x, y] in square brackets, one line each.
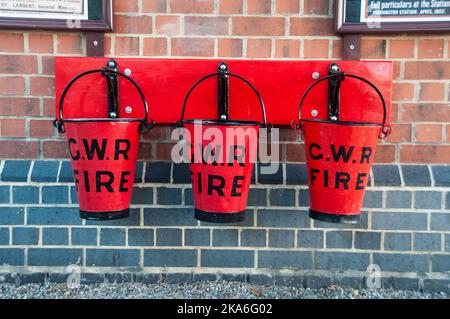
[440, 221]
[342, 261]
[399, 221]
[178, 278]
[73, 195]
[427, 242]
[112, 237]
[225, 237]
[4, 236]
[157, 172]
[282, 197]
[281, 238]
[12, 256]
[283, 218]
[55, 236]
[196, 237]
[257, 197]
[227, 258]
[398, 199]
[138, 172]
[317, 282]
[53, 216]
[296, 174]
[204, 277]
[427, 200]
[45, 171]
[169, 196]
[84, 236]
[112, 257]
[25, 195]
[142, 195]
[168, 237]
[436, 285]
[54, 256]
[11, 216]
[149, 279]
[441, 175]
[310, 238]
[15, 171]
[181, 174]
[440, 263]
[373, 199]
[285, 259]
[25, 236]
[386, 175]
[368, 240]
[275, 178]
[66, 173]
[262, 280]
[401, 262]
[339, 239]
[134, 219]
[447, 201]
[447, 242]
[253, 238]
[188, 197]
[120, 278]
[170, 258]
[140, 237]
[169, 217]
[416, 175]
[55, 195]
[397, 241]
[4, 194]
[303, 197]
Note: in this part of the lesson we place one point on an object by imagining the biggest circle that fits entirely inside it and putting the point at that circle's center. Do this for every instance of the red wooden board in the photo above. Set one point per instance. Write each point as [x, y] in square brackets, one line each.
[165, 83]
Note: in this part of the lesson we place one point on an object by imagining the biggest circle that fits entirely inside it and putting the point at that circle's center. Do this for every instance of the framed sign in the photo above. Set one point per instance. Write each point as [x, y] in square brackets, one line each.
[367, 16]
[79, 15]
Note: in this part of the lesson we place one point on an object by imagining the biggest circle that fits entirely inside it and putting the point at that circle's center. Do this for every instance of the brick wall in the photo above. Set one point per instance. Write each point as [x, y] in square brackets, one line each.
[405, 227]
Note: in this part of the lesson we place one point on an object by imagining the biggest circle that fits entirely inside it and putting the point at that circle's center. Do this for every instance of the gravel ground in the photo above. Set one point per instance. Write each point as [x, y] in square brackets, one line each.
[201, 290]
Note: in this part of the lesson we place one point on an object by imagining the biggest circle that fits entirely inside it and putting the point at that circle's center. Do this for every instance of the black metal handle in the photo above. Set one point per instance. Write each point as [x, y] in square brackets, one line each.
[263, 109]
[385, 129]
[145, 124]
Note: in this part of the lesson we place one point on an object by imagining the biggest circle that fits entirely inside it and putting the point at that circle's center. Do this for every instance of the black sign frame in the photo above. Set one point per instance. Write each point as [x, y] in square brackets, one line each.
[343, 26]
[100, 19]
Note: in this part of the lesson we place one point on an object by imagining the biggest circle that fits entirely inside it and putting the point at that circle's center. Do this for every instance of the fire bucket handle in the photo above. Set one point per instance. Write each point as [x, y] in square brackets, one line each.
[385, 131]
[261, 102]
[143, 127]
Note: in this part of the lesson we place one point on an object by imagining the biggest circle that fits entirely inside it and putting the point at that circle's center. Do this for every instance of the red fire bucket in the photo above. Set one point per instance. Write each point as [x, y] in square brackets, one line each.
[103, 153]
[339, 158]
[220, 185]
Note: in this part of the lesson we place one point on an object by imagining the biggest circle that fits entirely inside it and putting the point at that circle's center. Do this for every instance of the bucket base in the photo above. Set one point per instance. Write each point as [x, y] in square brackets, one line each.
[334, 218]
[105, 215]
[220, 218]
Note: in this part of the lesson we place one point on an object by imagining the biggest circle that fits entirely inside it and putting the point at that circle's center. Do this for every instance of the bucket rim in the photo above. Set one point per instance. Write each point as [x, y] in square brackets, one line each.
[350, 123]
[79, 120]
[225, 123]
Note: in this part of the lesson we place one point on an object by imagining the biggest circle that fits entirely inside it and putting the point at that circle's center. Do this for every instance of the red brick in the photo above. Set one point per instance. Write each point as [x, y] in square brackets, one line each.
[107, 48]
[231, 6]
[145, 151]
[430, 91]
[431, 48]
[288, 6]
[55, 149]
[48, 65]
[132, 24]
[192, 6]
[399, 48]
[295, 153]
[427, 70]
[192, 47]
[336, 47]
[385, 154]
[127, 5]
[403, 91]
[394, 112]
[259, 6]
[259, 48]
[154, 6]
[48, 107]
[447, 133]
[18, 64]
[167, 24]
[19, 149]
[12, 85]
[312, 27]
[19, 106]
[40, 43]
[315, 49]
[425, 112]
[11, 42]
[155, 47]
[12, 128]
[158, 133]
[396, 70]
[41, 128]
[373, 48]
[258, 26]
[127, 46]
[163, 151]
[230, 47]
[69, 44]
[206, 25]
[319, 7]
[439, 154]
[42, 86]
[401, 133]
[429, 133]
[287, 49]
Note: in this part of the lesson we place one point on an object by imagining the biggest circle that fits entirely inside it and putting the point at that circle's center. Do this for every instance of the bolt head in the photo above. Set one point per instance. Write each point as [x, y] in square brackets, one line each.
[127, 71]
[223, 117]
[113, 114]
[352, 47]
[315, 75]
[314, 113]
[128, 109]
[335, 68]
[223, 67]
